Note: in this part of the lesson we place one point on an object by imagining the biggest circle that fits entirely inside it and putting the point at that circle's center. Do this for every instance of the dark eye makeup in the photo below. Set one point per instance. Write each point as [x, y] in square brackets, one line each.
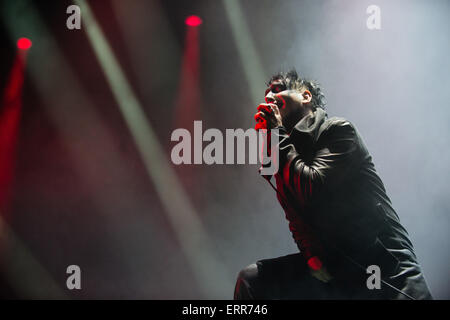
[276, 88]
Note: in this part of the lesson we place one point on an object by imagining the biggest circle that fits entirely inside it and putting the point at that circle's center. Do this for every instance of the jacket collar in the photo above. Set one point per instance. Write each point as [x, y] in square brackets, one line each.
[309, 128]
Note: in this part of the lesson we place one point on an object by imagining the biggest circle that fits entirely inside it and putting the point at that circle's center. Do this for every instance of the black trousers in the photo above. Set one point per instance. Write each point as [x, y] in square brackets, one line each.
[288, 277]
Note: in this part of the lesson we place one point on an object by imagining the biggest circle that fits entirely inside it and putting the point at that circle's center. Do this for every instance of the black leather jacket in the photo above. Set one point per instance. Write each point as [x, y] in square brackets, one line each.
[326, 175]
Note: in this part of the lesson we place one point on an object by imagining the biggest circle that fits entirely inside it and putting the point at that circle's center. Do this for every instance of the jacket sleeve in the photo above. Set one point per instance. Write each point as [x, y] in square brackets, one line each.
[331, 164]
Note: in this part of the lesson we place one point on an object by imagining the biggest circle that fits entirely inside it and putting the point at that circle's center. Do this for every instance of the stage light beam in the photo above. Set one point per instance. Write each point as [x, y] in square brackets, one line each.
[188, 226]
[251, 61]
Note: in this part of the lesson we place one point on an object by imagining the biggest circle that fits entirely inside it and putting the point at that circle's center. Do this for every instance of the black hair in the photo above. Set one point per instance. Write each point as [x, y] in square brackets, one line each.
[292, 80]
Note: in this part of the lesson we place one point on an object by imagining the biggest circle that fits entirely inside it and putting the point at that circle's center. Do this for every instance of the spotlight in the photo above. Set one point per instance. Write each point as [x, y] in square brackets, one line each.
[193, 21]
[24, 43]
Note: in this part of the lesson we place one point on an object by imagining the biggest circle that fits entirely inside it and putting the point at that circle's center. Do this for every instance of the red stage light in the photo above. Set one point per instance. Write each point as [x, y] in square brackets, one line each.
[193, 21]
[24, 43]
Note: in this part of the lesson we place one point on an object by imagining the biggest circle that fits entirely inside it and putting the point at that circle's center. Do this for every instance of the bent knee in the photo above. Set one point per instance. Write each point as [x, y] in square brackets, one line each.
[249, 273]
[246, 284]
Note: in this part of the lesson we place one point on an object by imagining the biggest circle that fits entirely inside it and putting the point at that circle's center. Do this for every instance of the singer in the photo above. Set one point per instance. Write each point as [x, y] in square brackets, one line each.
[338, 211]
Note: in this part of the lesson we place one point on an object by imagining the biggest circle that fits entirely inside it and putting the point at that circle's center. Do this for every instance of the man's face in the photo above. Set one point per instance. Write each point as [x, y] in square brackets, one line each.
[293, 104]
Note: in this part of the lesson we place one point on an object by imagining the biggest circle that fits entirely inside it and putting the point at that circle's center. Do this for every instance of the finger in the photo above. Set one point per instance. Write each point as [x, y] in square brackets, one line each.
[325, 275]
[316, 275]
[260, 117]
[320, 276]
[275, 108]
[260, 125]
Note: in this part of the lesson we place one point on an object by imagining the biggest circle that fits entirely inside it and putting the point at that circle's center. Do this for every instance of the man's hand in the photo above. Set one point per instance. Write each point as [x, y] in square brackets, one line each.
[318, 271]
[268, 116]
